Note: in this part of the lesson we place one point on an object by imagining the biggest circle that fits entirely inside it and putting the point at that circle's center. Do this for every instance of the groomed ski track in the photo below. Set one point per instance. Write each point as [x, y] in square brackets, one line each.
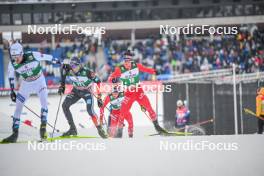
[141, 155]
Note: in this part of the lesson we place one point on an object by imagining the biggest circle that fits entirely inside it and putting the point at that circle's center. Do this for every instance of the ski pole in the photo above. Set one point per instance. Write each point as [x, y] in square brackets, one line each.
[248, 111]
[105, 107]
[39, 117]
[199, 123]
[147, 116]
[56, 116]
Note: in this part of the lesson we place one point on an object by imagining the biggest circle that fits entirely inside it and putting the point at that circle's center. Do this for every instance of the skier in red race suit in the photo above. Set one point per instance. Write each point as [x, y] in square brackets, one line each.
[128, 73]
[115, 98]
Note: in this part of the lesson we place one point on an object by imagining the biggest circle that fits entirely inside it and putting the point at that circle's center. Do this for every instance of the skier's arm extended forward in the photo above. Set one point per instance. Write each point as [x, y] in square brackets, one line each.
[115, 74]
[44, 57]
[142, 68]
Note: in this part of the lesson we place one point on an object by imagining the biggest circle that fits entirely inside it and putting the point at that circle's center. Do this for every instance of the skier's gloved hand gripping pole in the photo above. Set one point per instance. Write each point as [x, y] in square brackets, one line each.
[64, 70]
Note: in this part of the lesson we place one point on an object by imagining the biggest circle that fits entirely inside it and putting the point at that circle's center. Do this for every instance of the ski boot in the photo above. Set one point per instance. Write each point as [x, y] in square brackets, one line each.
[130, 132]
[12, 138]
[101, 132]
[71, 132]
[43, 131]
[159, 129]
[119, 133]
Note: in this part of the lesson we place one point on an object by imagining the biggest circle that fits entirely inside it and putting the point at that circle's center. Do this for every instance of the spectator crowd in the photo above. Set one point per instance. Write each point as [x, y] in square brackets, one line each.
[167, 54]
[193, 54]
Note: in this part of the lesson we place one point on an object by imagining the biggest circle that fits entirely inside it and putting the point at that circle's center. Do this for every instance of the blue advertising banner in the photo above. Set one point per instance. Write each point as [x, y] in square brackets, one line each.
[2, 78]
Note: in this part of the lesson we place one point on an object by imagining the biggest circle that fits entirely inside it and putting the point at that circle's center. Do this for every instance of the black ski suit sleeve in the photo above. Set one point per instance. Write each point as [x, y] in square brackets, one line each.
[64, 72]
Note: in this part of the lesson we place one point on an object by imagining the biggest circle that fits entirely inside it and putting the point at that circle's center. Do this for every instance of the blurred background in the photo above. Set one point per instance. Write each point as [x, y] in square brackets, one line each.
[135, 25]
[194, 65]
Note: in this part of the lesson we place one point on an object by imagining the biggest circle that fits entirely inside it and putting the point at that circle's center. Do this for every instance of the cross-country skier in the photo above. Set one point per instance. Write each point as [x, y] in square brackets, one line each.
[27, 65]
[182, 115]
[82, 79]
[128, 72]
[115, 98]
[260, 109]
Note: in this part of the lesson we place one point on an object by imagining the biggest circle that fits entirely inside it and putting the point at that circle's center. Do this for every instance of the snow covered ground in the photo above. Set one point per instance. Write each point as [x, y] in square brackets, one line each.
[139, 156]
[143, 155]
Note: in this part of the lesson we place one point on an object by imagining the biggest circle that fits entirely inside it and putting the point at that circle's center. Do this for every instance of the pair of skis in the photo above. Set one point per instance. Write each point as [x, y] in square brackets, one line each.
[52, 139]
[191, 133]
[246, 110]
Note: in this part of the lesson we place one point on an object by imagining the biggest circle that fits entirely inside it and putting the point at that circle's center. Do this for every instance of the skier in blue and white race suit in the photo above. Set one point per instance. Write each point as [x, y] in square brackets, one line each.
[182, 117]
[27, 66]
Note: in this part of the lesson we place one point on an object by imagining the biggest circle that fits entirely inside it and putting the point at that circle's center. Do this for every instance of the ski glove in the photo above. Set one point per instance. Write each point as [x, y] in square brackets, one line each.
[157, 72]
[143, 109]
[61, 89]
[66, 67]
[55, 61]
[13, 96]
[99, 101]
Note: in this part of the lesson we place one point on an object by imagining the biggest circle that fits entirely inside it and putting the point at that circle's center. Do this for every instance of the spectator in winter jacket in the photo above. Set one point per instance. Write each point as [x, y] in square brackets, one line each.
[260, 109]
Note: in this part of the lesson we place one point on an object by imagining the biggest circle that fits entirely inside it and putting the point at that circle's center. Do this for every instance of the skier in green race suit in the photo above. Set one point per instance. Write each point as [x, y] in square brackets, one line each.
[115, 99]
[82, 79]
[27, 65]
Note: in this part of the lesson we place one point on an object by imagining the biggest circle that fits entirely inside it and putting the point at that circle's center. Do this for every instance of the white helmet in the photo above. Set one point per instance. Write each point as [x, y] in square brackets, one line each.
[179, 103]
[16, 49]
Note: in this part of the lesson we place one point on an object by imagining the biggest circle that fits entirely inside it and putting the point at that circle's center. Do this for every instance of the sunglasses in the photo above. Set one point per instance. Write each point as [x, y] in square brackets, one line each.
[15, 57]
[73, 66]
